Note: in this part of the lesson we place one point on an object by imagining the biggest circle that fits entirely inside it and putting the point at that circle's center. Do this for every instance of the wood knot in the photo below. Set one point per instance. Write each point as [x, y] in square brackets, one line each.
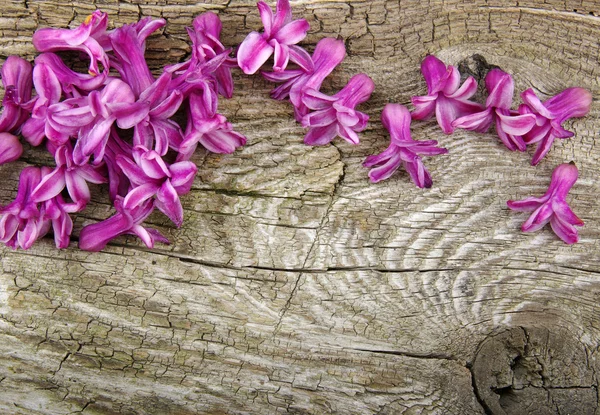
[535, 371]
[477, 67]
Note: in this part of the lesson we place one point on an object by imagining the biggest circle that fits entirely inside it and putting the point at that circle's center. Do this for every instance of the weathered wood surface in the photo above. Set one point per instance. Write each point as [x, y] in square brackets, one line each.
[297, 286]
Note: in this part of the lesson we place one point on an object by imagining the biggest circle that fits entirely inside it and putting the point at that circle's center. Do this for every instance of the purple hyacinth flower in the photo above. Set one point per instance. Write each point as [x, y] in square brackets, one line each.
[151, 177]
[328, 54]
[126, 221]
[206, 45]
[150, 116]
[336, 115]
[10, 148]
[403, 150]
[129, 45]
[510, 125]
[17, 82]
[550, 114]
[71, 82]
[67, 174]
[56, 210]
[118, 183]
[84, 38]
[91, 118]
[22, 222]
[49, 92]
[279, 38]
[552, 207]
[209, 129]
[445, 98]
[198, 77]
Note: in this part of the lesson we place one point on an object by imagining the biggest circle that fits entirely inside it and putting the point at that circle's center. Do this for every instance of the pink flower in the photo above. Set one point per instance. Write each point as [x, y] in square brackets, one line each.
[22, 222]
[328, 54]
[336, 115]
[550, 114]
[85, 38]
[280, 37]
[69, 174]
[127, 220]
[403, 150]
[208, 128]
[49, 93]
[206, 45]
[17, 82]
[91, 118]
[445, 98]
[150, 177]
[129, 45]
[150, 116]
[71, 82]
[510, 125]
[552, 207]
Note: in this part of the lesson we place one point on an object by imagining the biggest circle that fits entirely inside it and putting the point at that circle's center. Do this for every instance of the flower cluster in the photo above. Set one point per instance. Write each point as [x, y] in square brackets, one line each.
[82, 120]
[533, 122]
[326, 117]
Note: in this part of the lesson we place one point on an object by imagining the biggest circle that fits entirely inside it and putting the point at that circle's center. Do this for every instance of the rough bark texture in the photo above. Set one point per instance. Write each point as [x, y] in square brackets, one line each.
[297, 286]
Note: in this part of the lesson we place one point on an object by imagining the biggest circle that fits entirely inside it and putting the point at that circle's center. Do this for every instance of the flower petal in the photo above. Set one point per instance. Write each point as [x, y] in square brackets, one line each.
[396, 119]
[50, 186]
[10, 148]
[515, 125]
[167, 201]
[293, 32]
[319, 136]
[479, 121]
[253, 52]
[435, 73]
[266, 16]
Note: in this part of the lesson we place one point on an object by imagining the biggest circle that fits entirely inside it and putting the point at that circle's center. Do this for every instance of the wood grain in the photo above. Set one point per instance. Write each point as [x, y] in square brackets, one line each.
[295, 285]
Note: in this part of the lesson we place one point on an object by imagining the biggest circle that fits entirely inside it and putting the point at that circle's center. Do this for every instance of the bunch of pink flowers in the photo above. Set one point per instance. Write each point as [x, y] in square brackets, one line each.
[80, 118]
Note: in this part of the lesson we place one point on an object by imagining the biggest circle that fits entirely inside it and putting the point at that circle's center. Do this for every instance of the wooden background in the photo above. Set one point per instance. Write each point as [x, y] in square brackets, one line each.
[297, 286]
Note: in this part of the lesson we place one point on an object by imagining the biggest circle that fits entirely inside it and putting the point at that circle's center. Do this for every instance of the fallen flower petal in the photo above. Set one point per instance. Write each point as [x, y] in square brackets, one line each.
[403, 150]
[445, 97]
[280, 34]
[552, 207]
[510, 125]
[336, 115]
[572, 102]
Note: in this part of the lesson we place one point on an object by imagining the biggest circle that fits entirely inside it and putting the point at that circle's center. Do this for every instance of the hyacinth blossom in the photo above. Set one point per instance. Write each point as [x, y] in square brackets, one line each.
[17, 82]
[150, 177]
[552, 207]
[310, 74]
[206, 45]
[550, 114]
[445, 98]
[510, 125]
[49, 92]
[24, 220]
[90, 37]
[336, 115]
[77, 116]
[209, 129]
[280, 36]
[403, 150]
[126, 221]
[70, 175]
